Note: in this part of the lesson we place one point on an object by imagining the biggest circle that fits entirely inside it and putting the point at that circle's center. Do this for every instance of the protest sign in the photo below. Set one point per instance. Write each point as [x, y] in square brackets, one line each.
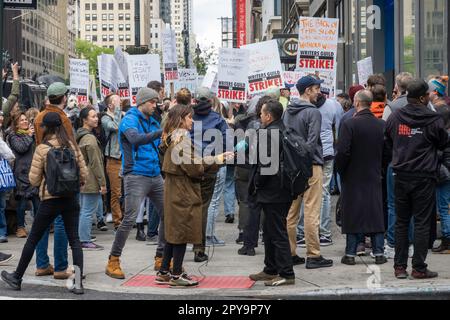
[290, 81]
[170, 55]
[187, 78]
[317, 50]
[233, 75]
[121, 60]
[111, 78]
[365, 70]
[141, 70]
[210, 79]
[265, 71]
[79, 79]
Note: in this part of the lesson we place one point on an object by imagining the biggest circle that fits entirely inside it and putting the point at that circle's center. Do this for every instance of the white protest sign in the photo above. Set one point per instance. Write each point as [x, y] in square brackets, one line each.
[265, 71]
[317, 50]
[365, 70]
[290, 79]
[121, 60]
[111, 78]
[211, 77]
[93, 91]
[141, 70]
[170, 55]
[187, 78]
[79, 79]
[233, 75]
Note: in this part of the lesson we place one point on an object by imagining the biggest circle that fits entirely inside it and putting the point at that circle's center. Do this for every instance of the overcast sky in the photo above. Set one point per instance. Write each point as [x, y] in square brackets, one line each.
[206, 26]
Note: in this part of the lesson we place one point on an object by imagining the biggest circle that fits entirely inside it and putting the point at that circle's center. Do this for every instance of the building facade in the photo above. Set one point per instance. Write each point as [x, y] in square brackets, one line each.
[405, 35]
[181, 21]
[112, 23]
[42, 40]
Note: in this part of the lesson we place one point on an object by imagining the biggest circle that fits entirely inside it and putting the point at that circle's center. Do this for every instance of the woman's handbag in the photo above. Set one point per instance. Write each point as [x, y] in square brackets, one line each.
[7, 181]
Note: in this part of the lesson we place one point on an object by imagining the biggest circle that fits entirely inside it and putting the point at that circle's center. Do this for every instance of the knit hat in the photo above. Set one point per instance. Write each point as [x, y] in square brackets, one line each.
[354, 90]
[203, 93]
[436, 86]
[146, 94]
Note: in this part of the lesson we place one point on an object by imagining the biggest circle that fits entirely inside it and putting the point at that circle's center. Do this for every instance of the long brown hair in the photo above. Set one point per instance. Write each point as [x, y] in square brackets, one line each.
[63, 138]
[16, 119]
[174, 120]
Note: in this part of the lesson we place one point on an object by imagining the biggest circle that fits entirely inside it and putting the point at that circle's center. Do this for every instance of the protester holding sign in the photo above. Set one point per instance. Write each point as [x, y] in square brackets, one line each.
[233, 75]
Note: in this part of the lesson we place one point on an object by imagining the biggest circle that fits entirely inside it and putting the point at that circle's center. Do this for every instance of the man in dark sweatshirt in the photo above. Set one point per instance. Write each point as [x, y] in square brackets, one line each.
[414, 134]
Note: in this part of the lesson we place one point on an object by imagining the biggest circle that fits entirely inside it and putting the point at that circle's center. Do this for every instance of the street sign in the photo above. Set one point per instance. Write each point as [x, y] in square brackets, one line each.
[20, 4]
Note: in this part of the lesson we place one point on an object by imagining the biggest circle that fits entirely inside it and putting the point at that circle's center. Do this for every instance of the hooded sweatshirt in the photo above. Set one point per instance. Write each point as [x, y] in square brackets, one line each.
[332, 113]
[208, 120]
[305, 119]
[414, 134]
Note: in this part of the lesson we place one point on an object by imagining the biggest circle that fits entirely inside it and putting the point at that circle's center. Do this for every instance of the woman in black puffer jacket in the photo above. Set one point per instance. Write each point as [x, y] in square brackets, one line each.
[22, 143]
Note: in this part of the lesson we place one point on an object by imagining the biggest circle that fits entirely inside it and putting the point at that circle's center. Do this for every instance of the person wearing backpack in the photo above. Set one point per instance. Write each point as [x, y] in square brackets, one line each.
[275, 200]
[110, 125]
[58, 169]
[91, 193]
[304, 119]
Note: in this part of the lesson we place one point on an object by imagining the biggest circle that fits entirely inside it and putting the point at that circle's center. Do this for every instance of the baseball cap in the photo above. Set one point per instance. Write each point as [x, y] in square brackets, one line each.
[306, 82]
[51, 120]
[57, 89]
[203, 93]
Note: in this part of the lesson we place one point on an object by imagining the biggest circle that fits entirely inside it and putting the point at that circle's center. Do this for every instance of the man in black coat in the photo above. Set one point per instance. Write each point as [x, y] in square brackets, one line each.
[275, 201]
[414, 134]
[359, 161]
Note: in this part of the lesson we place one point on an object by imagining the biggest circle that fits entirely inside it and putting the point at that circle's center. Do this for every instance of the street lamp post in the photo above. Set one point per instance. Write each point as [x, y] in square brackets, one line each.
[185, 34]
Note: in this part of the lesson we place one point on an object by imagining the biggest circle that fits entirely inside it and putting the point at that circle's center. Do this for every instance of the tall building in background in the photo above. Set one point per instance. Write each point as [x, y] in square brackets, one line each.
[157, 24]
[116, 22]
[181, 22]
[165, 10]
[42, 40]
[227, 32]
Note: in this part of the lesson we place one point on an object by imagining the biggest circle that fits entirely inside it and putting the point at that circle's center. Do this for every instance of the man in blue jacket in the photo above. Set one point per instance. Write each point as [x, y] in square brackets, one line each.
[139, 138]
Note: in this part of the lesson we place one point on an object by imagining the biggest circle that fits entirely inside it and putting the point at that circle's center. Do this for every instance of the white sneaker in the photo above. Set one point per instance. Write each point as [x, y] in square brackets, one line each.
[411, 251]
[109, 218]
[389, 252]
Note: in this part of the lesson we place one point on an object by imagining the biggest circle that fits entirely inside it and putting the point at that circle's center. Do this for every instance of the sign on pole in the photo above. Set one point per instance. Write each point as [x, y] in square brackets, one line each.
[317, 50]
[233, 75]
[265, 71]
[111, 78]
[365, 70]
[170, 55]
[79, 79]
[187, 78]
[121, 60]
[141, 70]
[20, 4]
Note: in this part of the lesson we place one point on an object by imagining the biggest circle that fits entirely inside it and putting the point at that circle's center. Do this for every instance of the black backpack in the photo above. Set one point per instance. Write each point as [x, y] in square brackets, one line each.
[62, 174]
[296, 163]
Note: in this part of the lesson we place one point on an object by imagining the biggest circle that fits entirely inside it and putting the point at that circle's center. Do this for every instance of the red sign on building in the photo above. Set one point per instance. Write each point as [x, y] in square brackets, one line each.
[241, 22]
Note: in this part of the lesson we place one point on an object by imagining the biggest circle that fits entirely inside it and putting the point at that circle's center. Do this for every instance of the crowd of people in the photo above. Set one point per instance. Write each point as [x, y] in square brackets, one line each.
[82, 166]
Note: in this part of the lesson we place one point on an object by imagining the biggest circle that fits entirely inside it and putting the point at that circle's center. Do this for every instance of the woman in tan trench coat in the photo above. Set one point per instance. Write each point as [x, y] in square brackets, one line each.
[182, 196]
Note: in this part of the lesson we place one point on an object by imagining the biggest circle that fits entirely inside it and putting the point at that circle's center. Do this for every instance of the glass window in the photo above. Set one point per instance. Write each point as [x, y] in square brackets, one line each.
[94, 38]
[120, 16]
[88, 38]
[87, 17]
[121, 37]
[88, 27]
[128, 27]
[111, 37]
[104, 27]
[104, 17]
[435, 38]
[128, 37]
[104, 6]
[409, 36]
[94, 6]
[87, 6]
[111, 16]
[127, 16]
[277, 7]
[111, 6]
[94, 17]
[120, 27]
[120, 6]
[104, 37]
[127, 6]
[94, 27]
[111, 27]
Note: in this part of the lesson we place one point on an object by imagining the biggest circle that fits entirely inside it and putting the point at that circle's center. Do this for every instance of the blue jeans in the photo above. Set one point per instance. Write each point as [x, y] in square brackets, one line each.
[325, 212]
[89, 204]
[301, 224]
[21, 206]
[59, 247]
[229, 196]
[214, 206]
[3, 225]
[354, 239]
[153, 221]
[390, 234]
[443, 201]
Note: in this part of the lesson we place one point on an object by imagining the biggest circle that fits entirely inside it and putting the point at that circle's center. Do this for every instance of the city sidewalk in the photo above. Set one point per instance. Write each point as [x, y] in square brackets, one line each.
[337, 282]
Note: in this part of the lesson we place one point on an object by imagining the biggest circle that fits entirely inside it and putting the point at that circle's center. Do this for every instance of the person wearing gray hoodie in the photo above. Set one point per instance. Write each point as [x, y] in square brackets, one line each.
[305, 120]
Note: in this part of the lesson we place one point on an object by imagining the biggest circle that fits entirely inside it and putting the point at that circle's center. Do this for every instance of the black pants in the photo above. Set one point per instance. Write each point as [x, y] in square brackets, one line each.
[207, 190]
[414, 197]
[241, 178]
[278, 258]
[251, 230]
[177, 252]
[69, 208]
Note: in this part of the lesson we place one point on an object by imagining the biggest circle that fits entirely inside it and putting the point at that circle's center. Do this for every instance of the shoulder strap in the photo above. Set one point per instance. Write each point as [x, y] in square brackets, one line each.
[146, 132]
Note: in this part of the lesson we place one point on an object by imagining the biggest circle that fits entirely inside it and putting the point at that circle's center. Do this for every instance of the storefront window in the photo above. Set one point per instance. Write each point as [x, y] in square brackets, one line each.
[435, 42]
[409, 36]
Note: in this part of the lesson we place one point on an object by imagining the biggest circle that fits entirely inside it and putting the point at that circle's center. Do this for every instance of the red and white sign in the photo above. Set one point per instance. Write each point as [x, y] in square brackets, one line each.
[241, 25]
[233, 75]
[170, 55]
[79, 79]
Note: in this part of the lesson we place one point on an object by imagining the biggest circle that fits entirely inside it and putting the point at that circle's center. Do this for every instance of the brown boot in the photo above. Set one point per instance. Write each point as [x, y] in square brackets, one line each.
[158, 263]
[45, 272]
[21, 233]
[63, 275]
[113, 268]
